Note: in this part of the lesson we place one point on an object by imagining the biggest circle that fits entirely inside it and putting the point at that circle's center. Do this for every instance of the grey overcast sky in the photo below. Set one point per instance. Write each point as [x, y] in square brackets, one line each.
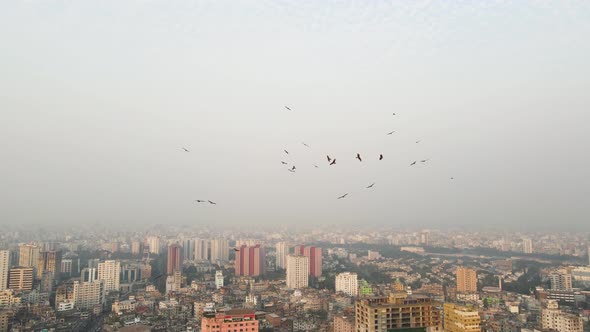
[97, 99]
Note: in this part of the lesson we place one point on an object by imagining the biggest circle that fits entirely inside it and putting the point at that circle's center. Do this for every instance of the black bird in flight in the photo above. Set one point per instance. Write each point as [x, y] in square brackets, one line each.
[418, 141]
[393, 113]
[333, 162]
[329, 159]
[284, 163]
[452, 178]
[185, 150]
[200, 201]
[210, 202]
[316, 166]
[371, 185]
[380, 157]
[343, 196]
[306, 145]
[358, 156]
[412, 164]
[391, 132]
[293, 168]
[236, 249]
[287, 108]
[424, 160]
[287, 152]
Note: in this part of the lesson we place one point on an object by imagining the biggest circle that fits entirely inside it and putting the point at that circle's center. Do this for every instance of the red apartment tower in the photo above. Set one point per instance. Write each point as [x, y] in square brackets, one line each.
[250, 261]
[174, 262]
[315, 258]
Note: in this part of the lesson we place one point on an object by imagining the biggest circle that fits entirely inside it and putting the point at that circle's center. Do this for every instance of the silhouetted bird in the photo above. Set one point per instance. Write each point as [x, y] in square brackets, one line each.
[393, 113]
[293, 168]
[341, 197]
[306, 145]
[424, 160]
[333, 162]
[316, 166]
[284, 163]
[380, 157]
[236, 249]
[412, 164]
[391, 132]
[210, 202]
[200, 201]
[452, 178]
[185, 150]
[371, 185]
[418, 141]
[287, 152]
[329, 159]
[358, 156]
[287, 108]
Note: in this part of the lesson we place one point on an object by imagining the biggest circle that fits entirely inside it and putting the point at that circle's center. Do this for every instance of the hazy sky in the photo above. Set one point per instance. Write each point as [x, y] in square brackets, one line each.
[97, 99]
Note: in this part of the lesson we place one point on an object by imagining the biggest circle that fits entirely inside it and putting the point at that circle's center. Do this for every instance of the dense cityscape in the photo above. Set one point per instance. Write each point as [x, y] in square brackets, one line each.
[194, 279]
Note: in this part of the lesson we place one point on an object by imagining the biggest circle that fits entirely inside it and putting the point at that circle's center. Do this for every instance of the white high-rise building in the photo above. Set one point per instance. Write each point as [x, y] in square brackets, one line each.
[154, 244]
[527, 246]
[347, 283]
[218, 279]
[108, 272]
[4, 268]
[201, 249]
[297, 271]
[552, 318]
[28, 255]
[219, 250]
[281, 257]
[88, 294]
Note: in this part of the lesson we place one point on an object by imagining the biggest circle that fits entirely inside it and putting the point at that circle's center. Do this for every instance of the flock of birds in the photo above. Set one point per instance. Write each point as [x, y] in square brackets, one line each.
[331, 162]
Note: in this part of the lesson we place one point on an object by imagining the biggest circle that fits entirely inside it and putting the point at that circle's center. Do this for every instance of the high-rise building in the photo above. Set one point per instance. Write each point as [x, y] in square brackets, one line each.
[460, 318]
[49, 261]
[88, 294]
[230, 320]
[136, 247]
[397, 311]
[552, 318]
[218, 279]
[315, 259]
[425, 238]
[527, 246]
[250, 261]
[174, 259]
[174, 281]
[66, 267]
[4, 267]
[153, 243]
[297, 271]
[347, 283]
[89, 274]
[28, 255]
[21, 279]
[561, 281]
[466, 280]
[219, 250]
[281, 255]
[109, 273]
[201, 250]
[188, 249]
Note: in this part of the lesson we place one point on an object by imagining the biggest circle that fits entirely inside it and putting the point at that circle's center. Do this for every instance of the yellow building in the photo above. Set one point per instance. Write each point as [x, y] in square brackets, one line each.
[458, 318]
[466, 280]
